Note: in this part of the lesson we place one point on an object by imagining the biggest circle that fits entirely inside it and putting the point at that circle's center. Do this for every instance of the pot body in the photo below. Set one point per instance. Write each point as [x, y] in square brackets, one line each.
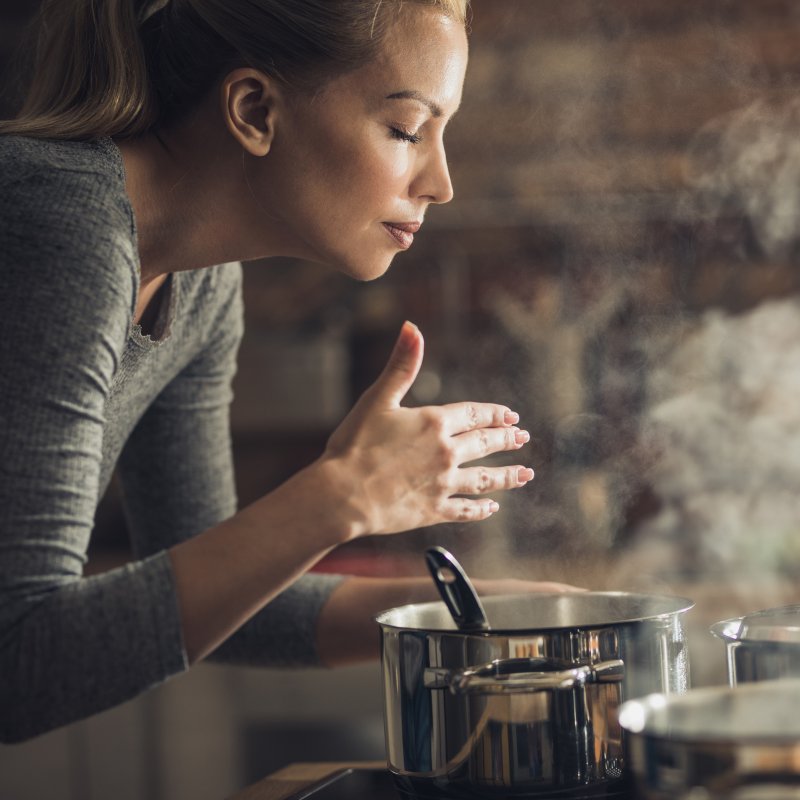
[716, 743]
[763, 646]
[530, 707]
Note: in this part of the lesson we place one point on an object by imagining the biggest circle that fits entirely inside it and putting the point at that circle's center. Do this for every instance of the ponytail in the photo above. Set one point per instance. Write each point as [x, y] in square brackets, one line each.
[90, 76]
[123, 67]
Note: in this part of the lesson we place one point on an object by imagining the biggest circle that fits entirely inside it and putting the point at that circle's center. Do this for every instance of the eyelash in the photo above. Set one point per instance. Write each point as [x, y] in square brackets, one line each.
[405, 136]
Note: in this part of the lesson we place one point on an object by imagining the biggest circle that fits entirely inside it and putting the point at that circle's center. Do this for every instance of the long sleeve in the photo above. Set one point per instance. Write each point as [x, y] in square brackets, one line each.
[69, 646]
[83, 389]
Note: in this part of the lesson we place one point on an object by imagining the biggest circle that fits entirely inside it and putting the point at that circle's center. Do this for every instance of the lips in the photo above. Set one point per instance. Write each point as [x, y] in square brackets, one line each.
[402, 232]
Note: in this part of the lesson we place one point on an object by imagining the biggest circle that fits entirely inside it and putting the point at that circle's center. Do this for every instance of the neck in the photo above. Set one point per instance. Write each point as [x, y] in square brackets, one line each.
[190, 200]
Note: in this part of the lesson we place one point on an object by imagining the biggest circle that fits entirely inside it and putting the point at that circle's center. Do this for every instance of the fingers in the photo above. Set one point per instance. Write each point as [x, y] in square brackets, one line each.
[551, 586]
[401, 370]
[477, 481]
[485, 480]
[485, 441]
[465, 509]
[521, 586]
[462, 417]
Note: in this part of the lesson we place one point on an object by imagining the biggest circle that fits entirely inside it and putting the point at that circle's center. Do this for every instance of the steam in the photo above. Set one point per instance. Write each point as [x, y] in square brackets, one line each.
[748, 163]
[666, 440]
[725, 420]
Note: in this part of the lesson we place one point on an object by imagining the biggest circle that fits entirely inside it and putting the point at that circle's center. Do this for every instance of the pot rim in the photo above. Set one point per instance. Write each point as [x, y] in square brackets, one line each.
[761, 626]
[676, 605]
[635, 716]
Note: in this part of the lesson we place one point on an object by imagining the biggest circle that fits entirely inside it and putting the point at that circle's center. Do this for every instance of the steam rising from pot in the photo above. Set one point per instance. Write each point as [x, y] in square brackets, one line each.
[649, 333]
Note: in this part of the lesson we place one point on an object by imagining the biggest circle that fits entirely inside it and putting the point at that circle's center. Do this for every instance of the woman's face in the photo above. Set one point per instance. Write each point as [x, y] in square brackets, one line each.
[352, 170]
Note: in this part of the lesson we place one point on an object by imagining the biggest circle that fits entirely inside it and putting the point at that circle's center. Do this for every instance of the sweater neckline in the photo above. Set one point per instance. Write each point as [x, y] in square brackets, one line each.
[162, 327]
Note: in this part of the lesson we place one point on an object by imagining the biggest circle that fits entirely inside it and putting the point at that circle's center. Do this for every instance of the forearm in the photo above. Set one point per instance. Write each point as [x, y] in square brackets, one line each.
[86, 645]
[386, 469]
[347, 632]
[228, 573]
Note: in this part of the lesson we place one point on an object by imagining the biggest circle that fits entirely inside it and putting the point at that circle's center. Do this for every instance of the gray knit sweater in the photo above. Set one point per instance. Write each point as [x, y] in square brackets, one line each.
[82, 390]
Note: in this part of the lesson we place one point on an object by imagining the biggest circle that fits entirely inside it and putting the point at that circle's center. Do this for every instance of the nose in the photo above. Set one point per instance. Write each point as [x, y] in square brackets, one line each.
[433, 179]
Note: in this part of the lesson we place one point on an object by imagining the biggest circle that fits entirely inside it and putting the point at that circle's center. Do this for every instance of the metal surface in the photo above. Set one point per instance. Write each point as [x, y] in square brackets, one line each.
[762, 646]
[516, 675]
[536, 742]
[715, 743]
[542, 612]
[456, 590]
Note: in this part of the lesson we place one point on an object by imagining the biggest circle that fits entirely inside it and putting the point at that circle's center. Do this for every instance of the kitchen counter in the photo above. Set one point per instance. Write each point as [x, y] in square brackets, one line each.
[291, 779]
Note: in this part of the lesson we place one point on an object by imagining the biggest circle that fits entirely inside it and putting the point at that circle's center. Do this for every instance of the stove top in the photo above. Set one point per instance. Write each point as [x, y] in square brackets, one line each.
[379, 784]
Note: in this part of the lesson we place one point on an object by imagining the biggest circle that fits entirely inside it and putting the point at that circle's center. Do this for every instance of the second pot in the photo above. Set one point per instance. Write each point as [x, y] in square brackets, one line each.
[717, 743]
[762, 646]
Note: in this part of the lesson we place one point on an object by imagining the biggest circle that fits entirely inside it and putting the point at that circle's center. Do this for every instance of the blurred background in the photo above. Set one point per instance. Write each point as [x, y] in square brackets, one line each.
[620, 265]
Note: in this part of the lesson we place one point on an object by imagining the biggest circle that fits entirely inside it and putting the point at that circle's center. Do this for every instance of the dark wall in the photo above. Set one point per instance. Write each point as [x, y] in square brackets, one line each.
[14, 18]
[597, 213]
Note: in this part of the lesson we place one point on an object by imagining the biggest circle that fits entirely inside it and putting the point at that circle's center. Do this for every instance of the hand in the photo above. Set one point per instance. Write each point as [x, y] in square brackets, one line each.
[404, 465]
[488, 586]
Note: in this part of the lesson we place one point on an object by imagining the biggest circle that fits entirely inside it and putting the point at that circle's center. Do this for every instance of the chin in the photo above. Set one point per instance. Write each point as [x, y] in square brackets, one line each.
[361, 269]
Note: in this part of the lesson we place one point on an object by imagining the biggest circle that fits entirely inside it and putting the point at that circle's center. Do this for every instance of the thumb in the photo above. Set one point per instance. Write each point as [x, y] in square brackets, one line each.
[402, 368]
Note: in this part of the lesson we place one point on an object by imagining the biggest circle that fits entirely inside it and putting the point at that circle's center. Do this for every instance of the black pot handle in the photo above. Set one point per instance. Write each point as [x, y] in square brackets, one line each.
[456, 590]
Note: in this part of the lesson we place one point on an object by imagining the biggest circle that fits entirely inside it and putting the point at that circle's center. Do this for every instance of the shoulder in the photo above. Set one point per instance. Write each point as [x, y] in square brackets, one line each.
[73, 187]
[66, 229]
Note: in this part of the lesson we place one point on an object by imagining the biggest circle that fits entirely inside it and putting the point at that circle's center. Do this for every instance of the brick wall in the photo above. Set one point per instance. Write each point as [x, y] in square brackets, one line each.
[595, 214]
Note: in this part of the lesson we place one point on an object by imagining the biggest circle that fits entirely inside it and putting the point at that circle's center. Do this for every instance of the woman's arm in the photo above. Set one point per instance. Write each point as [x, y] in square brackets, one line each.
[386, 469]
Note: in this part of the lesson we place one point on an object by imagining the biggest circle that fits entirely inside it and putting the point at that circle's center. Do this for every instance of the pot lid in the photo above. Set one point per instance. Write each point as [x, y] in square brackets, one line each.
[764, 711]
[512, 614]
[772, 625]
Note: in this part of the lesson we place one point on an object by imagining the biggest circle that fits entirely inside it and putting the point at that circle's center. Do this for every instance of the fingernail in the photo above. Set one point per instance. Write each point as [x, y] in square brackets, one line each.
[406, 335]
[525, 474]
[521, 437]
[493, 506]
[511, 417]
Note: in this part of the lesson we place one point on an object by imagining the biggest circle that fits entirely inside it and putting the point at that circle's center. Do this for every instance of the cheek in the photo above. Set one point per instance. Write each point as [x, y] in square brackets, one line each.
[348, 177]
[382, 174]
[369, 167]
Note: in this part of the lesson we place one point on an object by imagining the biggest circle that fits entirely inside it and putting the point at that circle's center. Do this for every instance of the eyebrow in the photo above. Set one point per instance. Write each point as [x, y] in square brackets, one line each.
[412, 94]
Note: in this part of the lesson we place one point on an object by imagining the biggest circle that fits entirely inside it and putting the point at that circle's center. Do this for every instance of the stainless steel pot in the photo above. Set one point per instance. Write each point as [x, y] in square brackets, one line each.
[529, 707]
[762, 646]
[716, 743]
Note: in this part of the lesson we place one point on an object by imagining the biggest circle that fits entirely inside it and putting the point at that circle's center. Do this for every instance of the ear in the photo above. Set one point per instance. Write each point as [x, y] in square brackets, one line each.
[249, 106]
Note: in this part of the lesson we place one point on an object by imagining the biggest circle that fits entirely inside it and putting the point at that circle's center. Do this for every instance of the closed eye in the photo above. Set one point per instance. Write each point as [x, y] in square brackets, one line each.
[405, 136]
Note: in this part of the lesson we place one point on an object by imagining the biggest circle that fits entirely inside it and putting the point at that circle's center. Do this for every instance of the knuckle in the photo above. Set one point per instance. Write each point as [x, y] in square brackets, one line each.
[485, 443]
[433, 420]
[445, 454]
[441, 508]
[511, 477]
[485, 481]
[442, 482]
[473, 416]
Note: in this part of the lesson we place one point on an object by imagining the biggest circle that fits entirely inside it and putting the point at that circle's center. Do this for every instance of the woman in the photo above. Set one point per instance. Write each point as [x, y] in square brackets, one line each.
[159, 145]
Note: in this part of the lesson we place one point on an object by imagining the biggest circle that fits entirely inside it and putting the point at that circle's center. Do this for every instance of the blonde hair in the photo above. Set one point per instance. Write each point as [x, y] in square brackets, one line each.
[123, 67]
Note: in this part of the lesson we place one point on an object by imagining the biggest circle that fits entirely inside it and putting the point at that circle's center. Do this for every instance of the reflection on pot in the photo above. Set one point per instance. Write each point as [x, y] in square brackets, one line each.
[528, 708]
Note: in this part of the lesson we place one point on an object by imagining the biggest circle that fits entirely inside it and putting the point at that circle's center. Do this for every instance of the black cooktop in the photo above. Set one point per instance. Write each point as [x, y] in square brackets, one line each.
[379, 784]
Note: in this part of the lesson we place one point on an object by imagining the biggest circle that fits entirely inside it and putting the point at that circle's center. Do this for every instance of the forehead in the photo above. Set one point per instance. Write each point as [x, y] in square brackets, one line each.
[423, 52]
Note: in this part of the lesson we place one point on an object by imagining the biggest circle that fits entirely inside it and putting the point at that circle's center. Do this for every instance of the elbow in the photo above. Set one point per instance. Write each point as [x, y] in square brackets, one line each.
[15, 725]
[21, 721]
[23, 716]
